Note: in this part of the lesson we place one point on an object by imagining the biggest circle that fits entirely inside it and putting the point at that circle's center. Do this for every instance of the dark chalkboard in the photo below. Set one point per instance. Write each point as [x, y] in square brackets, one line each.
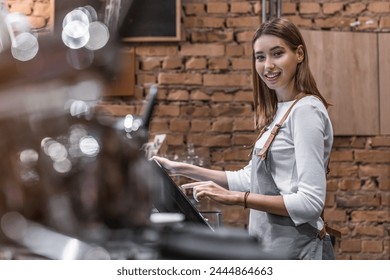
[152, 20]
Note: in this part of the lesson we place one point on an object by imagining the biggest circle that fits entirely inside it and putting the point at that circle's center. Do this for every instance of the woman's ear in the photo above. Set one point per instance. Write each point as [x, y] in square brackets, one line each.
[300, 54]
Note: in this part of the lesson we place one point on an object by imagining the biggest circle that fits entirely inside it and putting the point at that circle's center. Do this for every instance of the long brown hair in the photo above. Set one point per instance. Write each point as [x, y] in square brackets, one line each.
[265, 99]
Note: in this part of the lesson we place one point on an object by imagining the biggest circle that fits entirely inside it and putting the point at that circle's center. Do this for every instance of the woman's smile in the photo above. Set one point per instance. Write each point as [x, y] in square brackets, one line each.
[272, 76]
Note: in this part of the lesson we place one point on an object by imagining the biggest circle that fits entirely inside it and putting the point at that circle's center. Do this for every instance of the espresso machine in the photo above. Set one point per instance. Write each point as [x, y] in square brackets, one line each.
[76, 184]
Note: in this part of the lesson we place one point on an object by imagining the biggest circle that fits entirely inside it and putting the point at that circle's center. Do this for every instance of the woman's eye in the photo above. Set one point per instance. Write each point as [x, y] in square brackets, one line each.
[278, 53]
[260, 58]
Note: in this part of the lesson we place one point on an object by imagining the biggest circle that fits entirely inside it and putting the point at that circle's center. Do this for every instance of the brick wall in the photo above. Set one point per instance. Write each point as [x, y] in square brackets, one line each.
[37, 11]
[205, 99]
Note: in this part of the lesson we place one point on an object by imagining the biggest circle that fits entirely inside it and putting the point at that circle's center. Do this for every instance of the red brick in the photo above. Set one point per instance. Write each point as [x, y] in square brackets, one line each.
[243, 21]
[144, 79]
[172, 63]
[343, 170]
[147, 51]
[204, 22]
[178, 95]
[379, 7]
[257, 8]
[245, 36]
[243, 124]
[299, 21]
[386, 199]
[198, 125]
[248, 50]
[336, 215]
[350, 184]
[234, 50]
[370, 216]
[176, 139]
[199, 95]
[196, 63]
[370, 184]
[226, 80]
[351, 245]
[117, 110]
[384, 183]
[289, 8]
[180, 79]
[355, 200]
[160, 125]
[42, 10]
[242, 64]
[208, 140]
[194, 8]
[359, 142]
[309, 8]
[179, 125]
[342, 142]
[218, 63]
[217, 8]
[331, 8]
[221, 96]
[384, 22]
[242, 139]
[370, 231]
[372, 246]
[224, 124]
[332, 185]
[330, 199]
[371, 156]
[196, 111]
[240, 154]
[212, 36]
[374, 170]
[241, 7]
[168, 110]
[243, 96]
[36, 22]
[219, 110]
[381, 141]
[355, 8]
[150, 63]
[21, 7]
[333, 22]
[345, 155]
[368, 23]
[203, 50]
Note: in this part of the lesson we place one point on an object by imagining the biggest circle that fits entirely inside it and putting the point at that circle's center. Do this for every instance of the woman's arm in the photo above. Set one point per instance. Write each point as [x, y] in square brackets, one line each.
[268, 203]
[193, 172]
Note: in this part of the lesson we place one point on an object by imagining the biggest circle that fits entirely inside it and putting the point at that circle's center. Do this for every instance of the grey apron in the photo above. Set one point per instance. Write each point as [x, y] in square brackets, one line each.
[278, 234]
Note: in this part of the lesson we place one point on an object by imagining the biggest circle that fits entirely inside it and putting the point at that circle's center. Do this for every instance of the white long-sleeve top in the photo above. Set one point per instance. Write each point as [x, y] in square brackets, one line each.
[298, 158]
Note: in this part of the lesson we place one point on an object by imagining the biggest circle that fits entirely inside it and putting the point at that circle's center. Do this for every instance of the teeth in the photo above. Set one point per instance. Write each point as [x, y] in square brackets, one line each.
[272, 76]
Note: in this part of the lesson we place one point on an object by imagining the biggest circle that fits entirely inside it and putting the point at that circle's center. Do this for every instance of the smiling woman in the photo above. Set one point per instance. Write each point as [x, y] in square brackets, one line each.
[284, 183]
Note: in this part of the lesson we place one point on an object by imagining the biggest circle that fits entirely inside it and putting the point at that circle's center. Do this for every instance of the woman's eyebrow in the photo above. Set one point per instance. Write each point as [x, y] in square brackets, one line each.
[276, 47]
[272, 49]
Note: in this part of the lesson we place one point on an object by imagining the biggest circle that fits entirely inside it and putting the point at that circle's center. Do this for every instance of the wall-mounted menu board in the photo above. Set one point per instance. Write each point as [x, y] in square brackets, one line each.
[152, 21]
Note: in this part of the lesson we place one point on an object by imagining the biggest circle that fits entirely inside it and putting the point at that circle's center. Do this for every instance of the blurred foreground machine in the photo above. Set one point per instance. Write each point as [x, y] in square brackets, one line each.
[75, 184]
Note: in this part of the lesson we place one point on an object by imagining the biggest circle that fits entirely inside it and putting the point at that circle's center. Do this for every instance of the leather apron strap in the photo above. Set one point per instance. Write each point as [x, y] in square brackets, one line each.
[264, 151]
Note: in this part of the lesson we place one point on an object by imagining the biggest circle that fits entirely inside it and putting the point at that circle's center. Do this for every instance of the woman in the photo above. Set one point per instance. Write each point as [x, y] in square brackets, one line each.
[284, 184]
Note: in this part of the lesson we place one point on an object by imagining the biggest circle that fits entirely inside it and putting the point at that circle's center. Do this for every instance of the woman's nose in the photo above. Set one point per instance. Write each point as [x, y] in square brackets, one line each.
[269, 64]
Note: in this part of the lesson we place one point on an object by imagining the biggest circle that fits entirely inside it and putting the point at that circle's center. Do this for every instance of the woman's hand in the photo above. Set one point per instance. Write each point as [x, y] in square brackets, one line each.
[169, 165]
[209, 189]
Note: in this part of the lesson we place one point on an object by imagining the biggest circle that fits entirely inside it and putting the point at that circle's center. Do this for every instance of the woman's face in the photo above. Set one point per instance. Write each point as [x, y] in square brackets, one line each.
[276, 64]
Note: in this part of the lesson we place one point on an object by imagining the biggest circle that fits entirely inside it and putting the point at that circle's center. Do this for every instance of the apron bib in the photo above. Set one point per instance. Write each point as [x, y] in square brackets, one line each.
[278, 234]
